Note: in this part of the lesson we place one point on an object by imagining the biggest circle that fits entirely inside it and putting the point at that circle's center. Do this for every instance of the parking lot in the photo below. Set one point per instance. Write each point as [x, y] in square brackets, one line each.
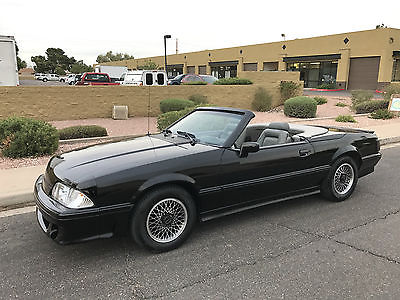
[302, 249]
[32, 82]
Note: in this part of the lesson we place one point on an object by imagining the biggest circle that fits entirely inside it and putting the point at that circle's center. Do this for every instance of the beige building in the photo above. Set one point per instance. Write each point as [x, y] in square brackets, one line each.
[366, 59]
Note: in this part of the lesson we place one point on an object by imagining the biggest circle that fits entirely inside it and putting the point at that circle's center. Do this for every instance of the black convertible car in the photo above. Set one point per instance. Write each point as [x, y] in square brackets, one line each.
[208, 164]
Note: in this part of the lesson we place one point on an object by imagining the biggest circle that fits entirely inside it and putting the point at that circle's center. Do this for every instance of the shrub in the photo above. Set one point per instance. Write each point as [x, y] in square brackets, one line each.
[320, 100]
[195, 83]
[300, 107]
[233, 81]
[23, 137]
[78, 132]
[198, 99]
[341, 104]
[327, 86]
[370, 106]
[166, 119]
[289, 89]
[383, 114]
[359, 96]
[262, 100]
[390, 90]
[343, 118]
[174, 104]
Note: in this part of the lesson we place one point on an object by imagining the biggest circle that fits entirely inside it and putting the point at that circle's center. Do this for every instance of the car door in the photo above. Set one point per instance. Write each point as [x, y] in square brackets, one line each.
[160, 78]
[272, 172]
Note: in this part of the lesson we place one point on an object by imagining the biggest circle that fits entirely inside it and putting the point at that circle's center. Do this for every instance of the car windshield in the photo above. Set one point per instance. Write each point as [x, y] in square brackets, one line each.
[178, 77]
[209, 127]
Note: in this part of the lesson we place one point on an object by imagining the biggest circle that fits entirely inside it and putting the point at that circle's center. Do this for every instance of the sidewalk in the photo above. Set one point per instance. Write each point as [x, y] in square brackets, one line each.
[17, 184]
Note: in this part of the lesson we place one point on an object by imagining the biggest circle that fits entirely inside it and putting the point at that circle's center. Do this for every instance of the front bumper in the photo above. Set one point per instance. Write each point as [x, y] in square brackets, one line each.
[65, 225]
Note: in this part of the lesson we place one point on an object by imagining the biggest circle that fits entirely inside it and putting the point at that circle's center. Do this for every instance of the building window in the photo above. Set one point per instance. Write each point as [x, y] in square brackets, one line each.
[315, 73]
[224, 71]
[270, 66]
[202, 70]
[174, 71]
[396, 69]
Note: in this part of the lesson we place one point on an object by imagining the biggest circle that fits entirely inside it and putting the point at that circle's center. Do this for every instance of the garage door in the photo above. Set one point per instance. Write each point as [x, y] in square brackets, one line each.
[364, 73]
[250, 66]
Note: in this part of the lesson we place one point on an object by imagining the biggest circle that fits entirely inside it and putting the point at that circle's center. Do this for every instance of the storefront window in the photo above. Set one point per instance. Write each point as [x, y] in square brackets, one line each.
[173, 72]
[315, 73]
[396, 70]
[224, 71]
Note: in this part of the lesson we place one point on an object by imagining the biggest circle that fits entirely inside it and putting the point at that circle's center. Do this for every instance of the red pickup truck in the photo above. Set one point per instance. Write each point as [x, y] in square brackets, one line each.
[92, 78]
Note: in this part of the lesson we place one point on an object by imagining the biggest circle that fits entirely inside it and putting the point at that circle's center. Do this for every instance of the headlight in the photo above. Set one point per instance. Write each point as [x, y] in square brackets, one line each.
[70, 197]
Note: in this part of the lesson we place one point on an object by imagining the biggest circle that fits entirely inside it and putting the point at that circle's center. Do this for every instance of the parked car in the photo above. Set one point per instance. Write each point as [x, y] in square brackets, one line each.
[50, 77]
[63, 78]
[39, 76]
[71, 79]
[209, 78]
[144, 77]
[92, 78]
[185, 78]
[208, 164]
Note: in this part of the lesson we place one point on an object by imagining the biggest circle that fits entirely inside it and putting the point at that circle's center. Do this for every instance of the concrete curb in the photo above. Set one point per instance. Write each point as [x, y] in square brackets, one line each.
[26, 198]
[16, 199]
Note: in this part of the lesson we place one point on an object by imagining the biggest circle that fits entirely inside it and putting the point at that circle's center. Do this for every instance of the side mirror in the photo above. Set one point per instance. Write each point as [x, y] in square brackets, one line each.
[248, 147]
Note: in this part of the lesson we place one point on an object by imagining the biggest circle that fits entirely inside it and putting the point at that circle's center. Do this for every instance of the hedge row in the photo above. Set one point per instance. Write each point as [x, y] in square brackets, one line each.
[79, 132]
[370, 106]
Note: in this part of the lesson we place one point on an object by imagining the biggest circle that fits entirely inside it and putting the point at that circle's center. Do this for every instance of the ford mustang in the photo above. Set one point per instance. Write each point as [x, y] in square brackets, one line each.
[208, 164]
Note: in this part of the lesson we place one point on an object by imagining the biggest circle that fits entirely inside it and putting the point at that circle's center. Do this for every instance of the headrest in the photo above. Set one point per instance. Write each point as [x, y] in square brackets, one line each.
[279, 126]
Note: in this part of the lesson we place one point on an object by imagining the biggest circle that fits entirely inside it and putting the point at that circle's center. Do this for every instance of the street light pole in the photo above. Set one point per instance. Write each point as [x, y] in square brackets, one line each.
[167, 36]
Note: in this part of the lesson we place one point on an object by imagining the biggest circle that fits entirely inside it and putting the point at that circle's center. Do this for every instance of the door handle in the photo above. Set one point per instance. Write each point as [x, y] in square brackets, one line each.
[304, 152]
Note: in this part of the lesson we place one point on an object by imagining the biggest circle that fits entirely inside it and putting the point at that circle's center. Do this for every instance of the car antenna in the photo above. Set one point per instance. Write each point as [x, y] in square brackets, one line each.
[148, 114]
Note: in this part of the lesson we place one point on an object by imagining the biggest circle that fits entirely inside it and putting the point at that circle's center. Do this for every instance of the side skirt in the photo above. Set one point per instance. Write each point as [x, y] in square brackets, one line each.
[226, 212]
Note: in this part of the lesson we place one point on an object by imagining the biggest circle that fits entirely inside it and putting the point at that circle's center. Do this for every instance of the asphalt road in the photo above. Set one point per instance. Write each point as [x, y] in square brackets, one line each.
[307, 248]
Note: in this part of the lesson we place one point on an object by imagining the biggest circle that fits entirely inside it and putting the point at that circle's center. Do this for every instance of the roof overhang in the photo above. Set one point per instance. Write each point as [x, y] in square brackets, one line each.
[310, 58]
[223, 63]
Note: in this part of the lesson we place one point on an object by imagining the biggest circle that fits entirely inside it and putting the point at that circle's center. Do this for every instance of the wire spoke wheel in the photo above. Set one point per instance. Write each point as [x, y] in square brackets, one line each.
[343, 178]
[167, 220]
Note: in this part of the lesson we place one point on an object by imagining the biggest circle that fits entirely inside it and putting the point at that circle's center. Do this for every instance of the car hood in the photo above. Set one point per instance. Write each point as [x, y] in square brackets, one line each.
[83, 166]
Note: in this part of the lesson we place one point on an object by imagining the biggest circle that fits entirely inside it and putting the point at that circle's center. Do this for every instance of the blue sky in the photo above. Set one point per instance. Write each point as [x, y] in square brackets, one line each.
[84, 29]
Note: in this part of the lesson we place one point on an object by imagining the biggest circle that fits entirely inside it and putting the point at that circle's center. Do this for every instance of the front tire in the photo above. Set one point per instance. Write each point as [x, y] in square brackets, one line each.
[163, 218]
[44, 79]
[341, 180]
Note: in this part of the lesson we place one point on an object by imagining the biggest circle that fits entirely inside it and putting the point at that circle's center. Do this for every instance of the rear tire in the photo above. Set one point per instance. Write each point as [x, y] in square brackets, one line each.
[341, 180]
[163, 218]
[44, 79]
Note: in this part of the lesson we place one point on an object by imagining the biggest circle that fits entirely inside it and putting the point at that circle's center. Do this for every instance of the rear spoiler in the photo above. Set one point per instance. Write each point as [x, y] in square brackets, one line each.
[345, 129]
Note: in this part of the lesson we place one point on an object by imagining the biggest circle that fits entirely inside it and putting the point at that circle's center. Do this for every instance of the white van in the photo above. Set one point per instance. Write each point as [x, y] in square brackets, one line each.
[144, 77]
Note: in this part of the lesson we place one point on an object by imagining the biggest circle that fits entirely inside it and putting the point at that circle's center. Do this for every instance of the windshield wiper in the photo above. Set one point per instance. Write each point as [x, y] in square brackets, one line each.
[166, 132]
[188, 135]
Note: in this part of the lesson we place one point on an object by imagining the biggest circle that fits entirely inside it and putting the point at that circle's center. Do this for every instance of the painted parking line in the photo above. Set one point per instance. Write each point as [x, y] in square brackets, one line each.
[17, 211]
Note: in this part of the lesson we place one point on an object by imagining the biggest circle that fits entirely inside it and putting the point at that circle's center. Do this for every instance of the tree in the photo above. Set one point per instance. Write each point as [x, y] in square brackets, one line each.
[41, 64]
[56, 61]
[109, 56]
[148, 65]
[80, 67]
[20, 63]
